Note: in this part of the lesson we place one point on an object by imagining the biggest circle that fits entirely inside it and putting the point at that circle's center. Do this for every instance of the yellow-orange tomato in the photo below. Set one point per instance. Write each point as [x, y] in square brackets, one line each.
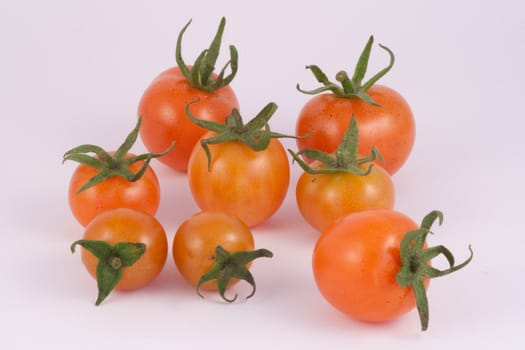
[128, 225]
[390, 127]
[164, 119]
[196, 239]
[355, 262]
[114, 192]
[324, 198]
[248, 184]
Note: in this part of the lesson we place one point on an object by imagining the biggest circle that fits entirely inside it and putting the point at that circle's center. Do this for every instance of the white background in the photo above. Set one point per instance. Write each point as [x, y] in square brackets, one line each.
[72, 72]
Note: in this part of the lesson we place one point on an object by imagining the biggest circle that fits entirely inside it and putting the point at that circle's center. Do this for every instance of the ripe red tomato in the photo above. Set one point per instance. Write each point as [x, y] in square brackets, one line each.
[355, 262]
[200, 239]
[249, 184]
[384, 117]
[324, 198]
[126, 225]
[368, 264]
[391, 127]
[162, 104]
[164, 119]
[114, 192]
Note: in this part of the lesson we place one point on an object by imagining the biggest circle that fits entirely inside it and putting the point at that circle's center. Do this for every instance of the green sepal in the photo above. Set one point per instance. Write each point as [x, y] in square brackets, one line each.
[351, 88]
[415, 261]
[345, 159]
[112, 165]
[111, 260]
[232, 265]
[255, 134]
[200, 75]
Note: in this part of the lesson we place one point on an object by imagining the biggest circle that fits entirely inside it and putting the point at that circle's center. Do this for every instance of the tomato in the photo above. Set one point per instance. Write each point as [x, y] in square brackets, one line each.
[163, 102]
[132, 226]
[391, 127]
[368, 264]
[111, 180]
[114, 192]
[384, 117]
[195, 249]
[162, 109]
[324, 198]
[249, 184]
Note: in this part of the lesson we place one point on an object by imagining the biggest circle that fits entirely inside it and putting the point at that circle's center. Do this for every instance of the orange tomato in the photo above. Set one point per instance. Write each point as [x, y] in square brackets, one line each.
[355, 262]
[390, 127]
[114, 192]
[164, 119]
[324, 198]
[128, 225]
[196, 239]
[248, 184]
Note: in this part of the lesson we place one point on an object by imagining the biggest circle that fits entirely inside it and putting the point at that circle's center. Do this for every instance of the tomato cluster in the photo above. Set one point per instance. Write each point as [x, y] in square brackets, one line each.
[370, 262]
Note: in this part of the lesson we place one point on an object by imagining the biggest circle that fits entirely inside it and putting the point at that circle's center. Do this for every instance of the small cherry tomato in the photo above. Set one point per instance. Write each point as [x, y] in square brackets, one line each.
[240, 169]
[124, 249]
[385, 118]
[112, 180]
[163, 102]
[336, 185]
[369, 264]
[212, 250]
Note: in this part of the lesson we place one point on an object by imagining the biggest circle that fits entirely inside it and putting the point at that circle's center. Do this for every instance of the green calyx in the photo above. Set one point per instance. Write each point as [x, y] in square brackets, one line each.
[111, 260]
[200, 75]
[351, 88]
[232, 265]
[255, 134]
[415, 263]
[112, 165]
[344, 159]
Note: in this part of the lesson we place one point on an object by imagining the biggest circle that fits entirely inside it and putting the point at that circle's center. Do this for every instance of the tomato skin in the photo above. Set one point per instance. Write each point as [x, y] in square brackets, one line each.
[196, 239]
[115, 192]
[324, 198]
[164, 119]
[390, 128]
[355, 262]
[128, 225]
[251, 185]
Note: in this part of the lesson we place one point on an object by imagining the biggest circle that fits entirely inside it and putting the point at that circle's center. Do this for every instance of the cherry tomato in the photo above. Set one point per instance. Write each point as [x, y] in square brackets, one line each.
[355, 262]
[249, 184]
[117, 226]
[212, 250]
[114, 192]
[369, 264]
[384, 117]
[164, 120]
[324, 198]
[162, 104]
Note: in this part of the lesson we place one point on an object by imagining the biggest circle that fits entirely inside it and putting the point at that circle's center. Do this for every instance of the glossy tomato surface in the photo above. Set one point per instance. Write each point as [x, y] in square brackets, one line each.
[115, 192]
[390, 127]
[128, 225]
[324, 198]
[197, 237]
[355, 262]
[164, 119]
[250, 185]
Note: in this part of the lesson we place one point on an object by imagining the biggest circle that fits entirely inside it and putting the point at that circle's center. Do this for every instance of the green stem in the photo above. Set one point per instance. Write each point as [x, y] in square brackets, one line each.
[232, 265]
[415, 263]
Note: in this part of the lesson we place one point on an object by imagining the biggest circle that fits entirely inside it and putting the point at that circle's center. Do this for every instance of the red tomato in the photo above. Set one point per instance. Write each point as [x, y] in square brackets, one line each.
[248, 184]
[355, 263]
[114, 192]
[196, 239]
[390, 127]
[324, 198]
[128, 225]
[164, 119]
